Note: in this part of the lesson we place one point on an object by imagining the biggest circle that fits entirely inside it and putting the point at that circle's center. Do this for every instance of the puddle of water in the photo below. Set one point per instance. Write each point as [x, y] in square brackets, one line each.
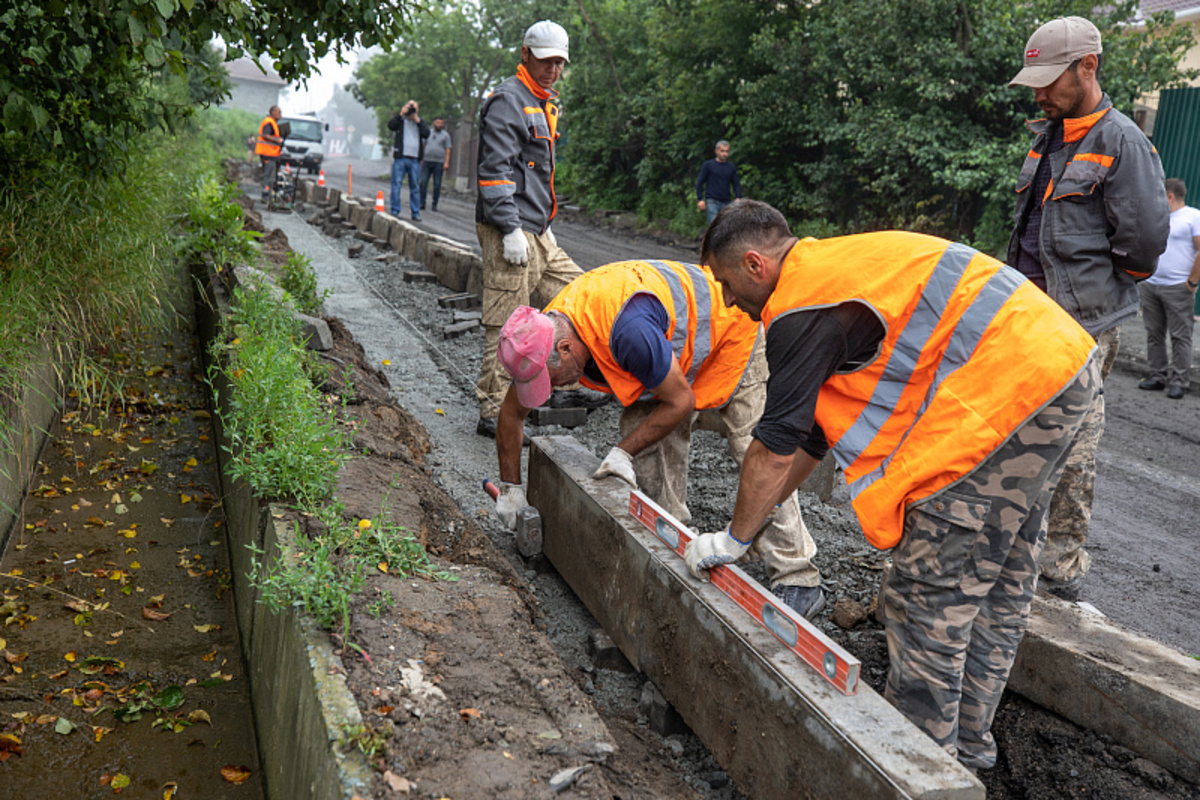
[124, 526]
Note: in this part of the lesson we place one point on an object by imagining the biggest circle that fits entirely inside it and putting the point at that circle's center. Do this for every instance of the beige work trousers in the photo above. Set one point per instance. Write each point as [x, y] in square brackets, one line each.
[1063, 559]
[785, 545]
[506, 286]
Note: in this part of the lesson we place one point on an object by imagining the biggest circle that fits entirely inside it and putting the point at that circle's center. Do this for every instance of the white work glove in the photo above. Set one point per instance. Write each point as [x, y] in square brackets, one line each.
[618, 463]
[550, 235]
[509, 503]
[709, 550]
[516, 247]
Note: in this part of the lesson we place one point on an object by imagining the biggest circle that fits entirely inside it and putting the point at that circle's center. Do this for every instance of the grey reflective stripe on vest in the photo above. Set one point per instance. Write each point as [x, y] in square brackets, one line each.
[907, 350]
[702, 345]
[965, 337]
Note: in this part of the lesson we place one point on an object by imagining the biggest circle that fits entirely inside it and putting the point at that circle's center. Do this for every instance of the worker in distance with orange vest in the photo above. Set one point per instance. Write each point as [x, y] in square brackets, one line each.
[268, 148]
[950, 389]
[657, 336]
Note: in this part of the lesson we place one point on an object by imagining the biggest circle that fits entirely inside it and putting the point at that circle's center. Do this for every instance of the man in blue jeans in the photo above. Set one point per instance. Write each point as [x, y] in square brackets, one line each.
[717, 185]
[407, 153]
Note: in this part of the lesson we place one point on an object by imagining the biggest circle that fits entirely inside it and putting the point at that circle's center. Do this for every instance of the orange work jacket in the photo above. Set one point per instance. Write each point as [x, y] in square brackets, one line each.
[972, 350]
[264, 147]
[713, 343]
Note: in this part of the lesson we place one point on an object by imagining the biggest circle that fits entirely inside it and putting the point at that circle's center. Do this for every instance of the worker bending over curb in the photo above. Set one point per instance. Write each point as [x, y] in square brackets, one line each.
[657, 336]
[950, 389]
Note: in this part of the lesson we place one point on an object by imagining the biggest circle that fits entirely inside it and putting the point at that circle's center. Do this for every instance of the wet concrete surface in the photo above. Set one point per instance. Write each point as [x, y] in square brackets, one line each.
[121, 643]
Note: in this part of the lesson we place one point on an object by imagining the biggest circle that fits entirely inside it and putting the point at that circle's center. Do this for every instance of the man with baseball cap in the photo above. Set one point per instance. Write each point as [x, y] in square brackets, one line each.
[1091, 220]
[518, 128]
[657, 336]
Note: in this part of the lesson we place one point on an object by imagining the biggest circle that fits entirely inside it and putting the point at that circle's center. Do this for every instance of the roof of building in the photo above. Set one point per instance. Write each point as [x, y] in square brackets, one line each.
[245, 69]
[1155, 6]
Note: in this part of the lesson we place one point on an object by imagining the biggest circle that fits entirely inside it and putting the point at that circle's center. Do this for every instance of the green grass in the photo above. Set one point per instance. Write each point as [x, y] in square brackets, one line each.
[300, 282]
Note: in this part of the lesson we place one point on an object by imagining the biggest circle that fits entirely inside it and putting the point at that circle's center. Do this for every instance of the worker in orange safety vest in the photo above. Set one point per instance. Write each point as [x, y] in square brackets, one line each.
[268, 148]
[656, 335]
[950, 390]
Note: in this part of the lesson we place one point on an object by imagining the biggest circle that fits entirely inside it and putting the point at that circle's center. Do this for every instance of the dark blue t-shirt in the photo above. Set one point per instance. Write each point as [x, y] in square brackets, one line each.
[639, 343]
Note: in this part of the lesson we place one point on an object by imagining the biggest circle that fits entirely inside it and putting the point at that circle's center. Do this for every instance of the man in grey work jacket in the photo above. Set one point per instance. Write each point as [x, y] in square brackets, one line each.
[1091, 220]
[518, 126]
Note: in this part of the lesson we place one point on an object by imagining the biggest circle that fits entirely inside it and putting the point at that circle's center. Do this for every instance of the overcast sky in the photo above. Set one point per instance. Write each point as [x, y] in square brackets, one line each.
[320, 86]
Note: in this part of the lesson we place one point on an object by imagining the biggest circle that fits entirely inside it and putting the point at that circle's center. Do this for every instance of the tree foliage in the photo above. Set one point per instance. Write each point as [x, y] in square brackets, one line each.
[75, 74]
[855, 115]
[447, 61]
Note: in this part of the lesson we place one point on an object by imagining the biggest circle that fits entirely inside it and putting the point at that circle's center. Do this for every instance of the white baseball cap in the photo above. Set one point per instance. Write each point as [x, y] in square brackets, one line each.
[547, 39]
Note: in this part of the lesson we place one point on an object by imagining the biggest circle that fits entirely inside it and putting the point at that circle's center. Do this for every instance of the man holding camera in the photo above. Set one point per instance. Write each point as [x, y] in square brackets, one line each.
[407, 154]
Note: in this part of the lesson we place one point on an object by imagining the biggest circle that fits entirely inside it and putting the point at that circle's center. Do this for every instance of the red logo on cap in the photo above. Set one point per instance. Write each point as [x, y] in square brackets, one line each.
[1033, 53]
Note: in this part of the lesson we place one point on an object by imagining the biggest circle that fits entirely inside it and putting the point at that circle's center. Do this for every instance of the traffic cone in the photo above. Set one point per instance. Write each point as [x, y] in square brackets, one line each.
[379, 201]
[321, 178]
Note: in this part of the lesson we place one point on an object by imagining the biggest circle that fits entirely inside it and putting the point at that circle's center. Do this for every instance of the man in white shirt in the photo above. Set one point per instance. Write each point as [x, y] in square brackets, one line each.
[1167, 298]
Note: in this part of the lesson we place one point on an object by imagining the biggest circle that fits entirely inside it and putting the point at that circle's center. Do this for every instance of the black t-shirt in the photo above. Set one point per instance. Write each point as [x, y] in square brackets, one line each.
[804, 349]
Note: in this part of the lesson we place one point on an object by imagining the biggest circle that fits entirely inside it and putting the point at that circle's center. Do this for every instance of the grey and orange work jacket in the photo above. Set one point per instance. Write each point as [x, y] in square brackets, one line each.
[1105, 219]
[518, 126]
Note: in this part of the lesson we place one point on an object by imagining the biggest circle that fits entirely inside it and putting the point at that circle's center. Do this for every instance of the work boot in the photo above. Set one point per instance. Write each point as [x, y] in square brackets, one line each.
[1151, 384]
[807, 601]
[1175, 392]
[487, 427]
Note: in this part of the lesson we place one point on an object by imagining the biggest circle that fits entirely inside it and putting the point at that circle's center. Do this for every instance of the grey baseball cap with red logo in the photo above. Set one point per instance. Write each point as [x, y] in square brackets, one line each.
[1054, 47]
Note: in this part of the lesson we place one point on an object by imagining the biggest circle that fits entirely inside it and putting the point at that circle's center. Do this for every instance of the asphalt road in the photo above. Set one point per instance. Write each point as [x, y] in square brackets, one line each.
[1146, 518]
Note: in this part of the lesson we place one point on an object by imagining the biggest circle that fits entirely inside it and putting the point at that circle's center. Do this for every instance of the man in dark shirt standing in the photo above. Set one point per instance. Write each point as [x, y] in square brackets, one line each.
[718, 184]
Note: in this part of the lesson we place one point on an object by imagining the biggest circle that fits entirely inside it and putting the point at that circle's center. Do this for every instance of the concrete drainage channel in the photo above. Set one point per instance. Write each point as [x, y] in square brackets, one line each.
[1144, 695]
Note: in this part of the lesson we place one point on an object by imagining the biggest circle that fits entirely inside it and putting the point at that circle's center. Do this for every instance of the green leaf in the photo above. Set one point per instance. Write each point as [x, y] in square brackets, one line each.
[169, 698]
[165, 7]
[63, 726]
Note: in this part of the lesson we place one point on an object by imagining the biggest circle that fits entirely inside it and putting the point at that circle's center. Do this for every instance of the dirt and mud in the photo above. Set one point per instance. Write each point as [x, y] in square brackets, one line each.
[506, 644]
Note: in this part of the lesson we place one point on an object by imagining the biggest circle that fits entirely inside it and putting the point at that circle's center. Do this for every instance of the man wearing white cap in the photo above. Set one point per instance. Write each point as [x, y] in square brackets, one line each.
[1091, 220]
[658, 336]
[518, 127]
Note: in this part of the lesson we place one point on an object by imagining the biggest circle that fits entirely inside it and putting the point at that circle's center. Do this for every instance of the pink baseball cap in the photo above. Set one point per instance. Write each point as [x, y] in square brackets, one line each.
[526, 341]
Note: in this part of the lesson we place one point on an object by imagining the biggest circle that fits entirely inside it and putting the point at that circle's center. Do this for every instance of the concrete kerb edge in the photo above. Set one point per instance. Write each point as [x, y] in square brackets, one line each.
[30, 418]
[302, 706]
[457, 267]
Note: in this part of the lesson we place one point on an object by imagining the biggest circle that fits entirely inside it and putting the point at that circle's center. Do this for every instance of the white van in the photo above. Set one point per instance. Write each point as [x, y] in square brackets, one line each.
[303, 144]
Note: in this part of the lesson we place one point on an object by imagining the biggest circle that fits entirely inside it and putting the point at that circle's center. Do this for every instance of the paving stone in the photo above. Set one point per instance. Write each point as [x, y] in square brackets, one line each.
[463, 316]
[459, 300]
[662, 717]
[566, 417]
[355, 250]
[458, 329]
[605, 653]
[419, 276]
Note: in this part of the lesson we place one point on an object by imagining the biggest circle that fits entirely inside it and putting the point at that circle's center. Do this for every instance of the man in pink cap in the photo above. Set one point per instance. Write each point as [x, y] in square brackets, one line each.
[1091, 220]
[657, 336]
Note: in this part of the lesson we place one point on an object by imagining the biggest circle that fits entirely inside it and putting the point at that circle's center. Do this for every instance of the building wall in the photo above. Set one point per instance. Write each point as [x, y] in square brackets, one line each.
[253, 96]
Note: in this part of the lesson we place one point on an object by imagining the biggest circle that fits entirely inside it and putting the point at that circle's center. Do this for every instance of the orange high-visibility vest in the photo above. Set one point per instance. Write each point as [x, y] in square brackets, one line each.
[713, 343]
[972, 351]
[264, 147]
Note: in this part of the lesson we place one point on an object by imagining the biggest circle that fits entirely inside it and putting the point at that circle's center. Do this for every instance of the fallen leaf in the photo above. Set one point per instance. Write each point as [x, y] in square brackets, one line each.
[15, 658]
[235, 774]
[155, 616]
[63, 726]
[199, 715]
[70, 656]
[120, 781]
[469, 713]
[78, 606]
[148, 468]
[383, 711]
[10, 744]
[383, 566]
[99, 732]
[397, 783]
[120, 509]
[169, 790]
[185, 498]
[95, 522]
[206, 628]
[439, 412]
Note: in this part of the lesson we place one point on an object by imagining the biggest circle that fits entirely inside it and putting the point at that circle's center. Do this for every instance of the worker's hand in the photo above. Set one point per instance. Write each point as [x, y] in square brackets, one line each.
[709, 550]
[617, 463]
[509, 503]
[516, 248]
[700, 204]
[550, 235]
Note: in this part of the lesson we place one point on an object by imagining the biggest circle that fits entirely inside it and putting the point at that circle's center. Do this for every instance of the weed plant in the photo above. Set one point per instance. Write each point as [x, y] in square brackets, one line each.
[300, 282]
[216, 231]
[319, 574]
[284, 438]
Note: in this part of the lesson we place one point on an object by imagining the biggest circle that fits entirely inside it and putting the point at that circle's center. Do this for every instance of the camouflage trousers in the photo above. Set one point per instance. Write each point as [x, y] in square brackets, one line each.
[1064, 560]
[956, 600]
[785, 545]
[506, 286]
